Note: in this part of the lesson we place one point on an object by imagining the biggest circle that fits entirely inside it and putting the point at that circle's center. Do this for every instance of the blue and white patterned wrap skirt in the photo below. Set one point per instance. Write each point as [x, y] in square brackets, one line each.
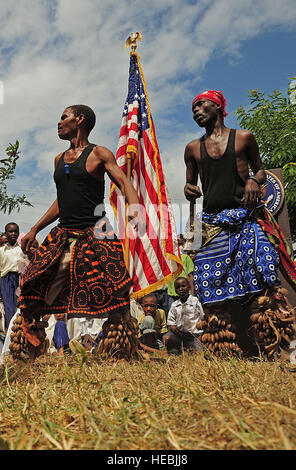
[237, 263]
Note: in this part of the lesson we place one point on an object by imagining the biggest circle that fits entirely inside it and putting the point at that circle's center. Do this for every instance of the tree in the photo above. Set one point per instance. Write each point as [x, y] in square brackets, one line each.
[272, 119]
[7, 168]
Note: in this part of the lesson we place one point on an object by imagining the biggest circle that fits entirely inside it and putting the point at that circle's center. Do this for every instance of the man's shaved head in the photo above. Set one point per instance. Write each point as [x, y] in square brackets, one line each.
[87, 112]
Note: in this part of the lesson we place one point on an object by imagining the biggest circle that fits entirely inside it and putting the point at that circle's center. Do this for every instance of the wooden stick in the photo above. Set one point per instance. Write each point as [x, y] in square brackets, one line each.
[192, 204]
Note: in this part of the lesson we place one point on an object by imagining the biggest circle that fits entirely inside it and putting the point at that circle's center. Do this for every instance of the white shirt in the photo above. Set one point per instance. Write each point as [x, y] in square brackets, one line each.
[9, 258]
[185, 316]
[91, 326]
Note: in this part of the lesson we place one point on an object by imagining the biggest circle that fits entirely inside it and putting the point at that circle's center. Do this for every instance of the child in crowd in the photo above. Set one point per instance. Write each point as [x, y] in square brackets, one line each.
[3, 240]
[90, 333]
[184, 313]
[152, 323]
[10, 254]
[60, 336]
[192, 254]
[188, 268]
[21, 263]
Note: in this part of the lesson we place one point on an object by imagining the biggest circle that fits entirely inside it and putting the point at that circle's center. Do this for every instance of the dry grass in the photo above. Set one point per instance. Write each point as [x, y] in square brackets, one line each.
[185, 403]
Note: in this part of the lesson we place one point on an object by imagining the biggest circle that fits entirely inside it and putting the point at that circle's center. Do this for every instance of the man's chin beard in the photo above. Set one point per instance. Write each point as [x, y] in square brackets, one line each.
[201, 123]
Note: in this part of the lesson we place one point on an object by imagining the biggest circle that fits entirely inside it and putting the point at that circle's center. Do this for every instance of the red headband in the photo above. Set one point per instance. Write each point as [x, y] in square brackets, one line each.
[215, 96]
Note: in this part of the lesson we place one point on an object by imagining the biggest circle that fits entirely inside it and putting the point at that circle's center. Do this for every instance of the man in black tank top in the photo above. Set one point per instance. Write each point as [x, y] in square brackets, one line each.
[79, 269]
[236, 261]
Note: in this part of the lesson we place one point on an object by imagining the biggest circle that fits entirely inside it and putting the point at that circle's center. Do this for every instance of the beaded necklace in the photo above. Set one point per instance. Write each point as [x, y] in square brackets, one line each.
[67, 166]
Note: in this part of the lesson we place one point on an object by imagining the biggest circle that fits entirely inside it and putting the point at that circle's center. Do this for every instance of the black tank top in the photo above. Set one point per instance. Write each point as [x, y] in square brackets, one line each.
[222, 186]
[78, 193]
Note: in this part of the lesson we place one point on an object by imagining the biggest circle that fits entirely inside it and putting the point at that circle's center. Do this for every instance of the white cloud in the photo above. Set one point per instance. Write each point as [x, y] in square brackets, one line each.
[60, 52]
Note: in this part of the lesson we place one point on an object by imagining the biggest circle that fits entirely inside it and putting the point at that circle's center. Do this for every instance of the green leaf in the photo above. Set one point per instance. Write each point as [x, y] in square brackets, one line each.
[272, 119]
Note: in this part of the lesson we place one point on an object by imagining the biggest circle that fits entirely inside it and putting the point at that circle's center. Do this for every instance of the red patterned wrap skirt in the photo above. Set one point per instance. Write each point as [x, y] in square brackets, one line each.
[97, 281]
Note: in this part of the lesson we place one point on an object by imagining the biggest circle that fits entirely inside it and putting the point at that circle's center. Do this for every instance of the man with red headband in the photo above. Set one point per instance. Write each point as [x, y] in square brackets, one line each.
[236, 260]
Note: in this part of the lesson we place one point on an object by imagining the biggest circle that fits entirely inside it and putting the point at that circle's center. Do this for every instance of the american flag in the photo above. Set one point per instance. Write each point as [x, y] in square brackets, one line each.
[153, 259]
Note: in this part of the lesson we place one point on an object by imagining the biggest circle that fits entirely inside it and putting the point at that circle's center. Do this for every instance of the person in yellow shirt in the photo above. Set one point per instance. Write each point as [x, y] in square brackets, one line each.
[152, 322]
[188, 268]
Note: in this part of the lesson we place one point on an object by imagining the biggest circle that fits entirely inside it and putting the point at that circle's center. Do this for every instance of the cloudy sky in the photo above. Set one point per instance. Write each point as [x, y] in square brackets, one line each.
[55, 53]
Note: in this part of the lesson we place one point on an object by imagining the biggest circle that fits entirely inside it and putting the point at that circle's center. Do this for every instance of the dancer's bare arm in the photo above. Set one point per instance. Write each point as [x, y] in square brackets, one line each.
[50, 216]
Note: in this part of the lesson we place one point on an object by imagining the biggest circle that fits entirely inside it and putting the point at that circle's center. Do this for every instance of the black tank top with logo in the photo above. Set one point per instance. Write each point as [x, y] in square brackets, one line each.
[222, 186]
[78, 193]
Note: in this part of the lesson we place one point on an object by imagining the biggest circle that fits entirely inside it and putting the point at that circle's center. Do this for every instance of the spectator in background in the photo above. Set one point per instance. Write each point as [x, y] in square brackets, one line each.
[10, 255]
[22, 263]
[192, 254]
[184, 313]
[60, 336]
[152, 323]
[3, 240]
[187, 273]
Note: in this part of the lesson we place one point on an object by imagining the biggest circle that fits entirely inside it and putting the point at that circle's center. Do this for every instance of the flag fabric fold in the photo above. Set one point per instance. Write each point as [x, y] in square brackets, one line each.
[153, 259]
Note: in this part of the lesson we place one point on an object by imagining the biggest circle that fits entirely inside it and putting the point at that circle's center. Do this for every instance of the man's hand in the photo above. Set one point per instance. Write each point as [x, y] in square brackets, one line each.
[252, 194]
[27, 241]
[176, 330]
[192, 192]
[87, 342]
[137, 219]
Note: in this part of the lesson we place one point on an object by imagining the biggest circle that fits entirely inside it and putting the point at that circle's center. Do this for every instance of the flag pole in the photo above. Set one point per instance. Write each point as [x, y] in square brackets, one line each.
[131, 42]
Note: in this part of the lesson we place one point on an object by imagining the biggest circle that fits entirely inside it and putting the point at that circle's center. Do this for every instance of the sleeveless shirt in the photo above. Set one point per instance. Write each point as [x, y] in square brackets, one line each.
[78, 192]
[222, 186]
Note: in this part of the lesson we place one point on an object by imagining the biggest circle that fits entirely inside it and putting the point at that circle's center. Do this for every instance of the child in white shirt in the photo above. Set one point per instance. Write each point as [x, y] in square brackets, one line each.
[184, 313]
